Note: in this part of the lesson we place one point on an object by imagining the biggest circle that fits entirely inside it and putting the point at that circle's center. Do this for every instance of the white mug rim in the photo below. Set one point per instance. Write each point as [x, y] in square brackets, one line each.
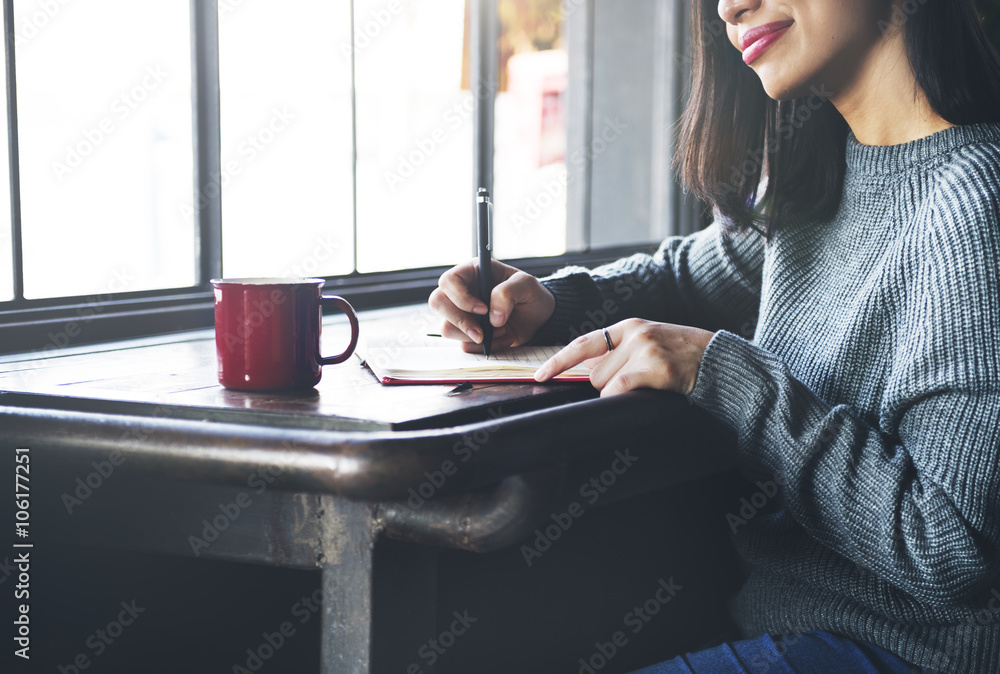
[267, 281]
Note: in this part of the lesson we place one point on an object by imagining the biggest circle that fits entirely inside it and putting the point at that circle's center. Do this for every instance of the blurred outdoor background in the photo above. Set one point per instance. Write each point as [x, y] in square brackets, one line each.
[104, 105]
[106, 160]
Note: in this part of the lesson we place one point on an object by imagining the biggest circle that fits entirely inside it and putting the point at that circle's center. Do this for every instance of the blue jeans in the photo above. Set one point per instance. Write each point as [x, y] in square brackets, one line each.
[791, 654]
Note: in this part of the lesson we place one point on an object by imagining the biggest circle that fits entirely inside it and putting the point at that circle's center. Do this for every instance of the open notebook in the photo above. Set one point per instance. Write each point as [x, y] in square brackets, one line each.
[435, 360]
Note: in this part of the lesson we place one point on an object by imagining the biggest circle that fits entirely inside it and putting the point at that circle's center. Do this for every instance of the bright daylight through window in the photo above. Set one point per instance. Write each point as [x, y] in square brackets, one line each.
[6, 247]
[324, 170]
[286, 178]
[106, 164]
[415, 100]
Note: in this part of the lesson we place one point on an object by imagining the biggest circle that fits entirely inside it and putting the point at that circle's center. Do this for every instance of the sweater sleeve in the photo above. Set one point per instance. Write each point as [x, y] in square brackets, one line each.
[709, 279]
[917, 500]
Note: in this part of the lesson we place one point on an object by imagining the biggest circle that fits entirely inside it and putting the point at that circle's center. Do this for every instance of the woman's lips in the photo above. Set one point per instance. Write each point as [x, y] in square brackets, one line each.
[757, 40]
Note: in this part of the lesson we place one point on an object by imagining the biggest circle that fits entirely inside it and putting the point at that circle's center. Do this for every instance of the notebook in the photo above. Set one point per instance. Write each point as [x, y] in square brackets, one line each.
[435, 360]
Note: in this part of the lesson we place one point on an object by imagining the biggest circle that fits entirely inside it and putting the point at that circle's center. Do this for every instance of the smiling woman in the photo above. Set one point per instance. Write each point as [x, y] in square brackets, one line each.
[758, 40]
[852, 344]
[784, 132]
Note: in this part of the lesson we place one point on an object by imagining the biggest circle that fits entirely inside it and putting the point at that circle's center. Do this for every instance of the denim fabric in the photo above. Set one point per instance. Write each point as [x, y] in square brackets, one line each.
[791, 654]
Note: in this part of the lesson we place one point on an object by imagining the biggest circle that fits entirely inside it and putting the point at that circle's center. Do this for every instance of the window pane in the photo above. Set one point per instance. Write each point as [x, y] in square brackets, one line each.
[530, 134]
[6, 253]
[414, 131]
[287, 184]
[104, 109]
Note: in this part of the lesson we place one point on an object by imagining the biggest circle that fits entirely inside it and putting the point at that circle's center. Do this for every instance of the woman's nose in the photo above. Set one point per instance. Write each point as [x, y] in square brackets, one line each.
[732, 10]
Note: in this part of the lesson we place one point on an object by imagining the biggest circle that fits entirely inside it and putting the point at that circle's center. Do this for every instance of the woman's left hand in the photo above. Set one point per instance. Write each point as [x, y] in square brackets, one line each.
[646, 355]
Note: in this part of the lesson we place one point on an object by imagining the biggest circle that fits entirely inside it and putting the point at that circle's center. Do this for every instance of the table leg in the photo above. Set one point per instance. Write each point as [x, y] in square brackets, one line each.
[345, 557]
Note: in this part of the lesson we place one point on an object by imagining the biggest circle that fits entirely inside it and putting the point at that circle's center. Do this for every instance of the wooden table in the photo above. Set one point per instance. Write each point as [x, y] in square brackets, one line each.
[314, 480]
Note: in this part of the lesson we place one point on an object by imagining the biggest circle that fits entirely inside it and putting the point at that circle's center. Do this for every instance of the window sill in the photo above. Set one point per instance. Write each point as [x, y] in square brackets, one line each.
[42, 326]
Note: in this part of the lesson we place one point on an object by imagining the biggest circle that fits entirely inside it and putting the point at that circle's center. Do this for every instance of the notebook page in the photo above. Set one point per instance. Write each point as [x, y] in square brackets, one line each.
[439, 358]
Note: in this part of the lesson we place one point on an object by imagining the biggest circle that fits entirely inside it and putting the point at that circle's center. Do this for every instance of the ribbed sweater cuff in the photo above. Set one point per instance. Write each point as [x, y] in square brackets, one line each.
[732, 381]
[575, 293]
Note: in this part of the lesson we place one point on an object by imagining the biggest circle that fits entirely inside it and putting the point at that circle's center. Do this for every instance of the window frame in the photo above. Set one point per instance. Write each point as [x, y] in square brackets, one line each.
[40, 325]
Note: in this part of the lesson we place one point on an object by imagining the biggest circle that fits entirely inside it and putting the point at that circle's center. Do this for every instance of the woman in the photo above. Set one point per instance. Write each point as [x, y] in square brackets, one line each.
[842, 314]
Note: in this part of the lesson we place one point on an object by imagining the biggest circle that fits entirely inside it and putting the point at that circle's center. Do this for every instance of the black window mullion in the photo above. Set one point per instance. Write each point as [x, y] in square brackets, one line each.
[207, 138]
[12, 145]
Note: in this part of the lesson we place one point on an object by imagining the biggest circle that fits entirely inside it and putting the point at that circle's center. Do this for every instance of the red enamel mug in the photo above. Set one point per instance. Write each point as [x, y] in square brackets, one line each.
[267, 332]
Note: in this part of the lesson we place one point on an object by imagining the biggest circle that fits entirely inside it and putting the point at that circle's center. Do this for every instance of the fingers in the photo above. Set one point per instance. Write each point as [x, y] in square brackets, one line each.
[459, 284]
[451, 331]
[646, 355]
[632, 364]
[499, 343]
[505, 296]
[456, 300]
[588, 346]
[617, 374]
[467, 324]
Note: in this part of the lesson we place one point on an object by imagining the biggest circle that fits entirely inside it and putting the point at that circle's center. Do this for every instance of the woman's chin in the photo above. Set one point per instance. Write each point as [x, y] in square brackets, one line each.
[780, 82]
[781, 89]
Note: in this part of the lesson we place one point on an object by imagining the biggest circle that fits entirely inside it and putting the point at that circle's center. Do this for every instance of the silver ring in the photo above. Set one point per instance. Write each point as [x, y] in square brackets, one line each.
[607, 338]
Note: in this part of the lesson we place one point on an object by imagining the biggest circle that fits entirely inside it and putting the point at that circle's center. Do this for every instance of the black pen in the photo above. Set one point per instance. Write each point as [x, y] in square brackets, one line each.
[484, 229]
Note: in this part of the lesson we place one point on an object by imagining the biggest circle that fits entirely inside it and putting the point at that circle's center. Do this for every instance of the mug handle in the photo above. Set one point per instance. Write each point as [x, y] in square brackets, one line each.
[343, 305]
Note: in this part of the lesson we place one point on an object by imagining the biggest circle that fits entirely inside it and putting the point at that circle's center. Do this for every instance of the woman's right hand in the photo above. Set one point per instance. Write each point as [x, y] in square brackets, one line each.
[519, 305]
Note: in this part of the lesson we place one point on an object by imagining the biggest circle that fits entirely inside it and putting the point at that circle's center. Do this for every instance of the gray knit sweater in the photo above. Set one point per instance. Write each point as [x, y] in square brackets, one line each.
[858, 361]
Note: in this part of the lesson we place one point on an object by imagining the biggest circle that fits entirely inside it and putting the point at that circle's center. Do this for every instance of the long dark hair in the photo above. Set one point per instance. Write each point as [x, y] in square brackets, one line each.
[732, 134]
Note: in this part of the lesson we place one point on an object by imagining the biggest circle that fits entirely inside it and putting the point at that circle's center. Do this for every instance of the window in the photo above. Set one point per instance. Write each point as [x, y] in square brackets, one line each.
[6, 230]
[414, 131]
[160, 144]
[530, 135]
[105, 145]
[286, 174]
